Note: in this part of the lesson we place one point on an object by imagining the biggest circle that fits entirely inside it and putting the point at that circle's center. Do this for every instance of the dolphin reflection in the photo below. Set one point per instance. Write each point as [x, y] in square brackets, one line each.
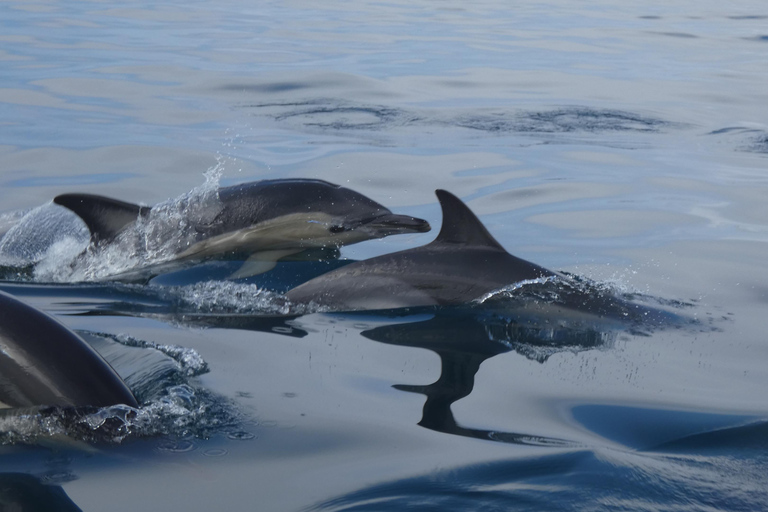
[464, 339]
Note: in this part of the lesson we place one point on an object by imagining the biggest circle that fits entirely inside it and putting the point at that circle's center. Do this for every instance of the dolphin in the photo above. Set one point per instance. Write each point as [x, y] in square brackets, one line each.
[42, 363]
[262, 221]
[462, 264]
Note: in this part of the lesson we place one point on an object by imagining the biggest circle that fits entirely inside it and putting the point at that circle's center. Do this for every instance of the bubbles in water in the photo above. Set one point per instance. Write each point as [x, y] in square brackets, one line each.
[229, 297]
[511, 290]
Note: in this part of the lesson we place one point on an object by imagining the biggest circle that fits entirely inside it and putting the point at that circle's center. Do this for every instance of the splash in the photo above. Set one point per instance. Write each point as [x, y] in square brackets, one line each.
[227, 297]
[46, 230]
[63, 255]
[182, 411]
[515, 288]
[579, 301]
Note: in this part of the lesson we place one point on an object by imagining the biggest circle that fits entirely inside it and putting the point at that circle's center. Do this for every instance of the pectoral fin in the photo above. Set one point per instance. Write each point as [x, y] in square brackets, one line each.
[261, 262]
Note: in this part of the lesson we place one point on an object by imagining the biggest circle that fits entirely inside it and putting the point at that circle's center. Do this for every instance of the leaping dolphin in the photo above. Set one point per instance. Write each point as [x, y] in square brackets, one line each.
[44, 363]
[262, 221]
[462, 264]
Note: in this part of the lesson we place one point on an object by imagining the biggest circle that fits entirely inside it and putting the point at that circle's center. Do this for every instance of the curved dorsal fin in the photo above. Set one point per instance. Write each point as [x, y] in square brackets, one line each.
[105, 217]
[460, 225]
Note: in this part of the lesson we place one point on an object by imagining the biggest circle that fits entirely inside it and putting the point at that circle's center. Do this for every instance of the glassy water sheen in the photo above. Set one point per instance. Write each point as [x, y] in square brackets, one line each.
[626, 144]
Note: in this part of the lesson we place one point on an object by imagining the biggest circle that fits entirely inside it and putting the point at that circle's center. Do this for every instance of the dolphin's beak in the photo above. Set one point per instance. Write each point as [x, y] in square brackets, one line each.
[394, 224]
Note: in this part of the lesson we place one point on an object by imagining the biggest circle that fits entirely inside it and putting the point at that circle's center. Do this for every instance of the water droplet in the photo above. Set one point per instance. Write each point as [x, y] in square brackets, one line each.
[176, 446]
[241, 435]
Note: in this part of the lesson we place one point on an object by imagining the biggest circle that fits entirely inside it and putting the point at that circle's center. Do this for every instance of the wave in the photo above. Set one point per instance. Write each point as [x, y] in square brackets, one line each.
[574, 481]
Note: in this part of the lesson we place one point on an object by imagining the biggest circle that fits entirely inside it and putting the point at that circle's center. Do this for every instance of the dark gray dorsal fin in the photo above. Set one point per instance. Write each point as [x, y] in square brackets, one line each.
[105, 217]
[460, 225]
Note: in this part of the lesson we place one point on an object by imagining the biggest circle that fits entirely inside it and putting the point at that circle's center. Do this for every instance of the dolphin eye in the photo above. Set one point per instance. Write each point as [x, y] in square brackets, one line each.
[336, 228]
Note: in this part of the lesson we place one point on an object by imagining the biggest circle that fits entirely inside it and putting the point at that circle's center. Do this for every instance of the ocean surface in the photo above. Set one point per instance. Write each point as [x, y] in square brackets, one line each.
[623, 143]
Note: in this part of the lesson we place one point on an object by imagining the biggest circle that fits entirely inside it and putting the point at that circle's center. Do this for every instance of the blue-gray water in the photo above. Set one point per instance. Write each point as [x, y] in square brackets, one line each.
[624, 143]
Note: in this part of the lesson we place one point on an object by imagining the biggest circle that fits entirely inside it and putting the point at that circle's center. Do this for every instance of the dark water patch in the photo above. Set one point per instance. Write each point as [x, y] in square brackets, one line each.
[644, 428]
[760, 143]
[749, 139]
[748, 17]
[732, 129]
[339, 115]
[650, 17]
[565, 120]
[758, 38]
[751, 437]
[682, 35]
[270, 88]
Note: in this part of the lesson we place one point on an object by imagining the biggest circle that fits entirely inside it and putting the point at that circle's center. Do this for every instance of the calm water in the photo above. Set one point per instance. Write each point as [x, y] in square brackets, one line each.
[627, 144]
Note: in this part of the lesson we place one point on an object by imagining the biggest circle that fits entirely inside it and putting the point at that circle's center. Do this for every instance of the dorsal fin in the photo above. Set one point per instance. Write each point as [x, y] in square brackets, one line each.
[105, 217]
[460, 225]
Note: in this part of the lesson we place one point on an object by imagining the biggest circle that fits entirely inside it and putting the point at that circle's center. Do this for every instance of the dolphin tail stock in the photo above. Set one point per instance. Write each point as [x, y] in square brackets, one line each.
[104, 216]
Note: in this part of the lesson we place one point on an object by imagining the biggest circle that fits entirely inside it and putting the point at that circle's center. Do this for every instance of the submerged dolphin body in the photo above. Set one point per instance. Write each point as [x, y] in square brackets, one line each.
[262, 221]
[462, 264]
[44, 363]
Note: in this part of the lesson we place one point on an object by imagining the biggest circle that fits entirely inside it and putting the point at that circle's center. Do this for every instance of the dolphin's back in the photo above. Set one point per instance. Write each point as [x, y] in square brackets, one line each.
[44, 363]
